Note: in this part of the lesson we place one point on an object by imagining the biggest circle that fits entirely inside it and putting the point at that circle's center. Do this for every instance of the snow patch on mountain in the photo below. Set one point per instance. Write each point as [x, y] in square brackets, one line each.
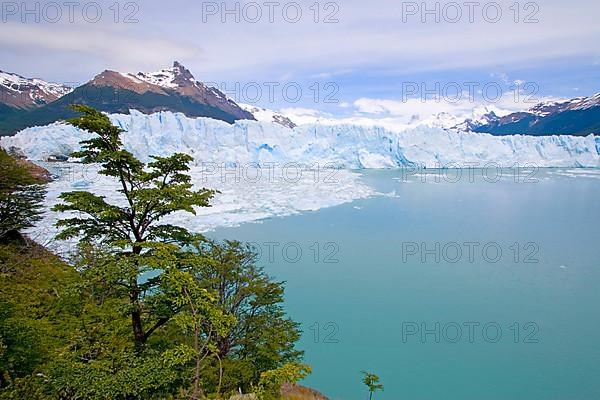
[36, 90]
[17, 83]
[267, 115]
[552, 116]
[164, 78]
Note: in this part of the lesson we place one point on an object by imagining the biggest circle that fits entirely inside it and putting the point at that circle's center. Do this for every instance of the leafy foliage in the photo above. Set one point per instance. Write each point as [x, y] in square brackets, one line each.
[263, 338]
[21, 196]
[206, 321]
[126, 376]
[34, 315]
[134, 240]
[151, 191]
[198, 311]
[372, 383]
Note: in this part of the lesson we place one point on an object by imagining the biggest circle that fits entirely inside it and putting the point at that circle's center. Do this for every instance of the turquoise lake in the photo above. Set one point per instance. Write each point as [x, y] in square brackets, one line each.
[446, 290]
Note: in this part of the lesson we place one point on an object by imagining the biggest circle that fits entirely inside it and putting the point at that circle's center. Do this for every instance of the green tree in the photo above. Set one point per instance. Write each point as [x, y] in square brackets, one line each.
[264, 337]
[203, 316]
[134, 233]
[198, 310]
[21, 196]
[372, 383]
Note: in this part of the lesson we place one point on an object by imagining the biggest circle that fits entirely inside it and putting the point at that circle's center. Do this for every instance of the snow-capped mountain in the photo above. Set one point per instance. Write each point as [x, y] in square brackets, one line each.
[34, 102]
[23, 93]
[342, 146]
[579, 116]
[177, 82]
[552, 107]
[172, 89]
[266, 115]
[464, 121]
[483, 115]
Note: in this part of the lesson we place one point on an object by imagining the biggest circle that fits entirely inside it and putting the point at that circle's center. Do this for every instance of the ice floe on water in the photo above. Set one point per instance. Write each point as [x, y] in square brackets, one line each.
[576, 173]
[245, 196]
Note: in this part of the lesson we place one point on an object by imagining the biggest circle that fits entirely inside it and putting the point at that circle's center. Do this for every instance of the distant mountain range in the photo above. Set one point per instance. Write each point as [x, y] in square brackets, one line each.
[28, 102]
[579, 117]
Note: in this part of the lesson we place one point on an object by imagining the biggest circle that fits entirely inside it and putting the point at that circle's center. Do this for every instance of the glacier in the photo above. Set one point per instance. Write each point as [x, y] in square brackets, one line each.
[264, 169]
[340, 146]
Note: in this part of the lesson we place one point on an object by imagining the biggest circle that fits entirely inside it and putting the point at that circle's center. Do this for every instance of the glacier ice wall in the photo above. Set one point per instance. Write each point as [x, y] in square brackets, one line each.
[343, 146]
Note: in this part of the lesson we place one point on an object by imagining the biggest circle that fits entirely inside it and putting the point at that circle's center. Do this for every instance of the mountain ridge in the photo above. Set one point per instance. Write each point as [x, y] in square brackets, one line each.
[19, 92]
[172, 89]
[26, 102]
[579, 116]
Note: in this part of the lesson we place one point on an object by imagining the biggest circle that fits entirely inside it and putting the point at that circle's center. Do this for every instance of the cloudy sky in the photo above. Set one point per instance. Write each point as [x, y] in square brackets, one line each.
[350, 58]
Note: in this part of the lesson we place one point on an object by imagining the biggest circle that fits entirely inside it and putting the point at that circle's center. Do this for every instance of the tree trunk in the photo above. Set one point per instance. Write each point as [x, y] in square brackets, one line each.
[197, 389]
[136, 322]
[136, 315]
[223, 346]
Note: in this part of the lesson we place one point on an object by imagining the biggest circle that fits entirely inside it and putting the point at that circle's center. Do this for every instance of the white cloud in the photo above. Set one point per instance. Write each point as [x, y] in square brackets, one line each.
[112, 47]
[367, 34]
[396, 114]
[331, 74]
[372, 34]
[370, 38]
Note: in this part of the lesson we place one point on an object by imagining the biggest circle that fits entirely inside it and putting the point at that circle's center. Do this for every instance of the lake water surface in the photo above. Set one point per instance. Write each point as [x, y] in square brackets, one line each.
[447, 290]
